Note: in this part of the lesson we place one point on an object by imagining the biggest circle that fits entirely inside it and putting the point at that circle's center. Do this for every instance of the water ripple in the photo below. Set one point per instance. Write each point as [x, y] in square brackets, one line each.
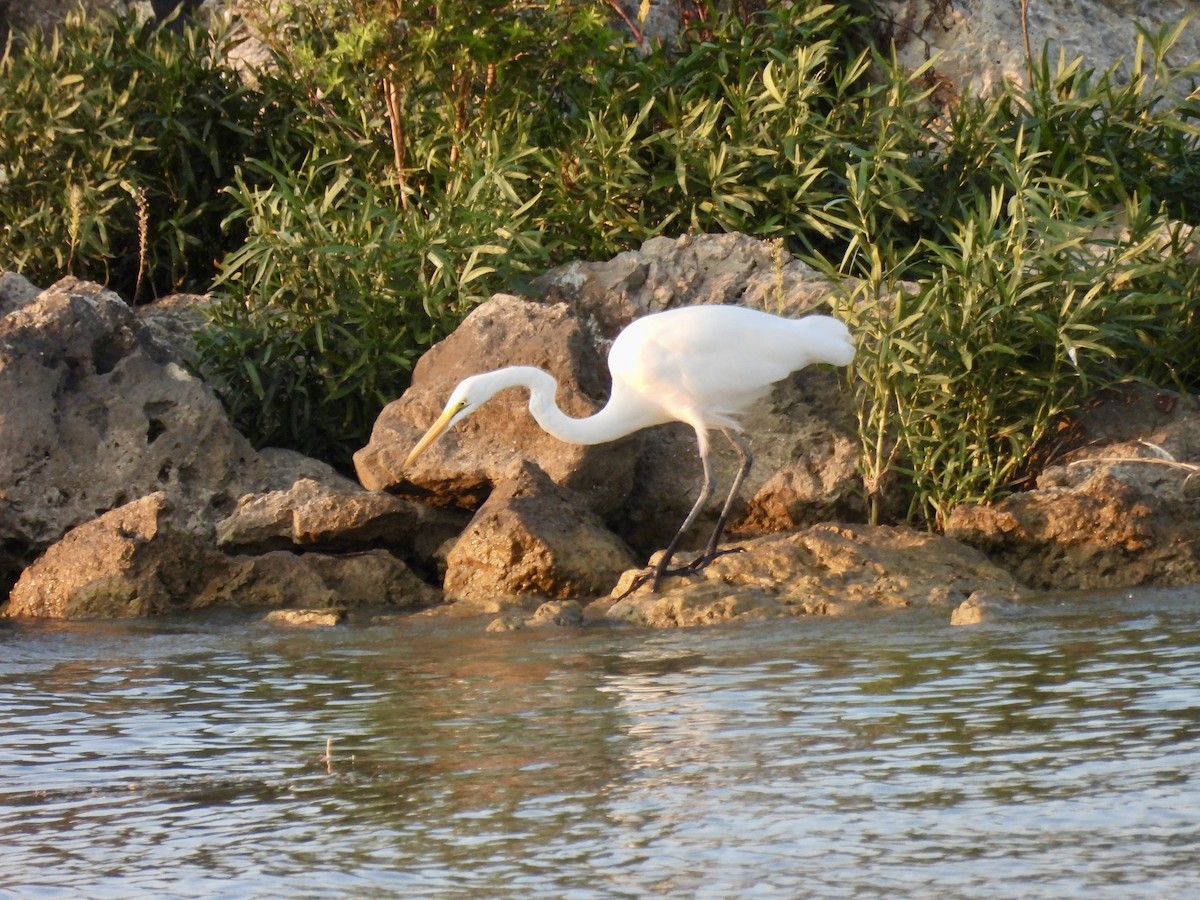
[882, 757]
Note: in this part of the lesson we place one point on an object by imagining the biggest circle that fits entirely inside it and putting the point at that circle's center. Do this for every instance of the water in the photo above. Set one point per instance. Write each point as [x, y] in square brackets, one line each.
[892, 755]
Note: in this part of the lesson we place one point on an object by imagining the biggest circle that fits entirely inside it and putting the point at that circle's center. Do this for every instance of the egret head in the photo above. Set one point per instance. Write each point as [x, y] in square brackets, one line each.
[468, 396]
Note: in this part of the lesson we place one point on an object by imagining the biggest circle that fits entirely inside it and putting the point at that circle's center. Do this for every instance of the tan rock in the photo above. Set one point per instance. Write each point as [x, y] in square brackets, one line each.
[312, 515]
[534, 539]
[315, 581]
[132, 561]
[463, 466]
[1117, 511]
[824, 570]
[305, 618]
[985, 606]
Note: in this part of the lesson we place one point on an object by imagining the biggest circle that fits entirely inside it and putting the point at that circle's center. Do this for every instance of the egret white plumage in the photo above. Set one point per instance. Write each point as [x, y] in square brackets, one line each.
[702, 365]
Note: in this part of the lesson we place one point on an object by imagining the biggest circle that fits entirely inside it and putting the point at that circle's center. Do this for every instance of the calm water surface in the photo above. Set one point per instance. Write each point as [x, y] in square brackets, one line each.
[1053, 756]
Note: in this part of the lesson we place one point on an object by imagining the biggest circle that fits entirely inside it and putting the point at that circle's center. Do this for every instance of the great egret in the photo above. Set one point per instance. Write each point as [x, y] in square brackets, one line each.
[702, 365]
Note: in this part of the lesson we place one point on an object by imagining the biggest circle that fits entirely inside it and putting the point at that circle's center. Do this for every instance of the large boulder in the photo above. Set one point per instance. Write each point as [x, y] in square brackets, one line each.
[1117, 511]
[533, 540]
[95, 413]
[132, 561]
[801, 437]
[823, 570]
[692, 270]
[463, 467]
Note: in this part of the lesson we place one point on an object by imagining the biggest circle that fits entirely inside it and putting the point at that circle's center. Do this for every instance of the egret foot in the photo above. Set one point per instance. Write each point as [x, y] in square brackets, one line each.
[656, 574]
[702, 561]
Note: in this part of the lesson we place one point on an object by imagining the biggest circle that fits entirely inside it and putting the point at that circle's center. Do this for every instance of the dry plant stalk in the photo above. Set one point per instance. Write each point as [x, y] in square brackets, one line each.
[391, 97]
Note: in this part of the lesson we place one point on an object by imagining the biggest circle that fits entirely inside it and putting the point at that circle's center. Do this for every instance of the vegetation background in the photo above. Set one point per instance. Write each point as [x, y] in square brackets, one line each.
[350, 202]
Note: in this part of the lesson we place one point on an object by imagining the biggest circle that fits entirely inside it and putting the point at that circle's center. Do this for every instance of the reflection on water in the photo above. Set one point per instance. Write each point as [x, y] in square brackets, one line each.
[1055, 755]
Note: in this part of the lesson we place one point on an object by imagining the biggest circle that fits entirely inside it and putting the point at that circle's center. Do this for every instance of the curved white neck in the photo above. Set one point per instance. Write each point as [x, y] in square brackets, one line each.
[624, 413]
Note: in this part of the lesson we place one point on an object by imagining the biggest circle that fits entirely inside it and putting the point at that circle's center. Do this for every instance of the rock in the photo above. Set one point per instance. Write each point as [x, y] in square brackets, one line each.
[557, 612]
[983, 606]
[132, 561]
[15, 292]
[506, 623]
[315, 581]
[980, 44]
[566, 613]
[311, 515]
[1117, 512]
[462, 468]
[97, 416]
[173, 322]
[802, 437]
[139, 561]
[305, 618]
[94, 414]
[533, 538]
[824, 570]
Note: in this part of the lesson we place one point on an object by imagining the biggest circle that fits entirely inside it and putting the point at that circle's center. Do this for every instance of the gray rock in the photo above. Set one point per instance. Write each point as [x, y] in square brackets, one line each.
[692, 270]
[94, 414]
[15, 292]
[98, 416]
[976, 45]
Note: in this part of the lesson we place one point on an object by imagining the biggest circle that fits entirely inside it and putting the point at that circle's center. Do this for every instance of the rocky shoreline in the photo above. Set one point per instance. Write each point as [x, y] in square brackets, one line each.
[125, 491]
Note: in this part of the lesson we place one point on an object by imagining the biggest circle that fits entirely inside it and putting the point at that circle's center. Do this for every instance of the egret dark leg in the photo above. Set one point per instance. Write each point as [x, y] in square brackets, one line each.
[745, 461]
[706, 492]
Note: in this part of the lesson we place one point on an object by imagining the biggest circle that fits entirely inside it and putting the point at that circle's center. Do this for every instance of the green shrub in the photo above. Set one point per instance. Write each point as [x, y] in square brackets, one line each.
[117, 141]
[336, 291]
[1049, 266]
[385, 175]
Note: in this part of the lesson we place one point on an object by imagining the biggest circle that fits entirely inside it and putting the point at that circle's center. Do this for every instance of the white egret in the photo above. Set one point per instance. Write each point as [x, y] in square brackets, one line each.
[702, 365]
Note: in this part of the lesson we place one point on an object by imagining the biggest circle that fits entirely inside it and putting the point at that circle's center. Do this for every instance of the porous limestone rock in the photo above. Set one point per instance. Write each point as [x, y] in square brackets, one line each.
[462, 468]
[117, 463]
[533, 539]
[823, 570]
[692, 270]
[1118, 510]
